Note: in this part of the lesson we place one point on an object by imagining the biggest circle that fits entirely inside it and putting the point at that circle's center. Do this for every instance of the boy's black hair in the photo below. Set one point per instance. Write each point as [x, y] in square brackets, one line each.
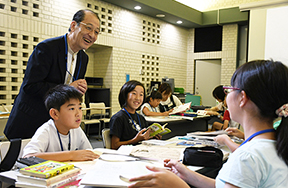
[154, 95]
[125, 89]
[59, 95]
[218, 93]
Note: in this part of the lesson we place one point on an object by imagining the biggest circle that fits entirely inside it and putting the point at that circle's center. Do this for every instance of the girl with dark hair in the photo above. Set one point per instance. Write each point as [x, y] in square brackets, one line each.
[169, 101]
[218, 121]
[219, 94]
[151, 105]
[127, 126]
[258, 94]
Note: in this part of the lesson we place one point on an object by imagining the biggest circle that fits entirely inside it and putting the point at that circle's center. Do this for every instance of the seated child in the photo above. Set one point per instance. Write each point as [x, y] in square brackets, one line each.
[151, 105]
[61, 138]
[227, 122]
[127, 126]
[219, 94]
[168, 101]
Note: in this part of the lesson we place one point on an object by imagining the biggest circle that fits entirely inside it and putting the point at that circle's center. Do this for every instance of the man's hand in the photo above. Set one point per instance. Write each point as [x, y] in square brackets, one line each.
[80, 85]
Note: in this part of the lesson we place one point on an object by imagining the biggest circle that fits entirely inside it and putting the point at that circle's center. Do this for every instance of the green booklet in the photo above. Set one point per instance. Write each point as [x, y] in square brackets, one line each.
[158, 129]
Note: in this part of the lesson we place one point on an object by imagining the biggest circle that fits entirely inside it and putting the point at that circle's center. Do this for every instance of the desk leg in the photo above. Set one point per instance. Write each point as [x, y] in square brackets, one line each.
[6, 182]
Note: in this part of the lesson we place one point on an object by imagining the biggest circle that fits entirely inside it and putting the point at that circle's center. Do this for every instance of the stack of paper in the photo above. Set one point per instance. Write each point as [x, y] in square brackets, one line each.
[107, 174]
[206, 135]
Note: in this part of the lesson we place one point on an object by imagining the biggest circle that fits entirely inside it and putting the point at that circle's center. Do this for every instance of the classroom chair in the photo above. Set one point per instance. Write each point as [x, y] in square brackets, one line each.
[106, 138]
[194, 99]
[3, 121]
[10, 151]
[87, 122]
[98, 110]
[6, 108]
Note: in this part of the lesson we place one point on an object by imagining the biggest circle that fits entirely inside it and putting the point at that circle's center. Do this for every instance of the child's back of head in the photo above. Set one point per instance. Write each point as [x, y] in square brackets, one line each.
[59, 95]
[154, 95]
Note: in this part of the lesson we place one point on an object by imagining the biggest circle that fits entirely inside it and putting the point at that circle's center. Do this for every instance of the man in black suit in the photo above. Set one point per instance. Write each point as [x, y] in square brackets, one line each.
[54, 61]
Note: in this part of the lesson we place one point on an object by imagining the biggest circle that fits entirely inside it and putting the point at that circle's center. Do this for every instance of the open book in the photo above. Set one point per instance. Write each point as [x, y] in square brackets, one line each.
[158, 129]
[181, 108]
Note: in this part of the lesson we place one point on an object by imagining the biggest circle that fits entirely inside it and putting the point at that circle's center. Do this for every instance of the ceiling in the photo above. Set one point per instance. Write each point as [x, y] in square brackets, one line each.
[174, 11]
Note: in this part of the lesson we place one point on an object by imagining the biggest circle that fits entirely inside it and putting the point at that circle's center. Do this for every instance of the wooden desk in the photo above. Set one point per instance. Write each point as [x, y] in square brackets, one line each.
[180, 126]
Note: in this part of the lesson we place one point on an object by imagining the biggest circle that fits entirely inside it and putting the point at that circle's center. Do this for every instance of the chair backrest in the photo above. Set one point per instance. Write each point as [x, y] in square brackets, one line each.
[3, 121]
[4, 148]
[100, 112]
[83, 105]
[10, 151]
[194, 99]
[106, 138]
[6, 108]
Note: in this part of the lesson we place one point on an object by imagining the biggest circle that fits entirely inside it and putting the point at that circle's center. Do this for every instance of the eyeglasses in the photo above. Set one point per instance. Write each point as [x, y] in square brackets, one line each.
[90, 28]
[228, 89]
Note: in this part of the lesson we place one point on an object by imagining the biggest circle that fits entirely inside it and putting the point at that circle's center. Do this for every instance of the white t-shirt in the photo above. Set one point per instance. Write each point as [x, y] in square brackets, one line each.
[254, 164]
[46, 139]
[150, 108]
[168, 101]
[221, 106]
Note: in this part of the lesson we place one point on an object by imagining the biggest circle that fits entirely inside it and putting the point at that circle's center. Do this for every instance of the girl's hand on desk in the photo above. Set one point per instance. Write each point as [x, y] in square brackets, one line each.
[177, 168]
[161, 178]
[83, 155]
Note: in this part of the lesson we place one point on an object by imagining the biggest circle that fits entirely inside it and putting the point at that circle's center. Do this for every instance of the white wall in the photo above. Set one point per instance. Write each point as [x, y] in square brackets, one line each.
[257, 30]
[277, 34]
[134, 42]
[267, 30]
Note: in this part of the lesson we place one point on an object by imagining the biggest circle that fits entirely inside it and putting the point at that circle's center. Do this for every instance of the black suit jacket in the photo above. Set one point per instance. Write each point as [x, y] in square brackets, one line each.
[46, 68]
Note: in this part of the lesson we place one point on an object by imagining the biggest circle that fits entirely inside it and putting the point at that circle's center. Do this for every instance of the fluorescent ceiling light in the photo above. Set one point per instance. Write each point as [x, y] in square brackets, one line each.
[196, 4]
[179, 22]
[137, 7]
[160, 15]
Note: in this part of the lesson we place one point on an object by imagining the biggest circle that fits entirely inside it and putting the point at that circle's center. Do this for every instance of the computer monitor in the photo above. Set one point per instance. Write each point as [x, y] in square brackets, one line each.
[170, 81]
[155, 84]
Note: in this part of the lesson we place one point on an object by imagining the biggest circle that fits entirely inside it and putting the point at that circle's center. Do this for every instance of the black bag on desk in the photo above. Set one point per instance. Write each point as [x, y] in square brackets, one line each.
[207, 156]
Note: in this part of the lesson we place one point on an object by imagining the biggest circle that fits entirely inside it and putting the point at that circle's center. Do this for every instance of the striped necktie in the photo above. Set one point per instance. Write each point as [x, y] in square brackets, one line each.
[70, 77]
